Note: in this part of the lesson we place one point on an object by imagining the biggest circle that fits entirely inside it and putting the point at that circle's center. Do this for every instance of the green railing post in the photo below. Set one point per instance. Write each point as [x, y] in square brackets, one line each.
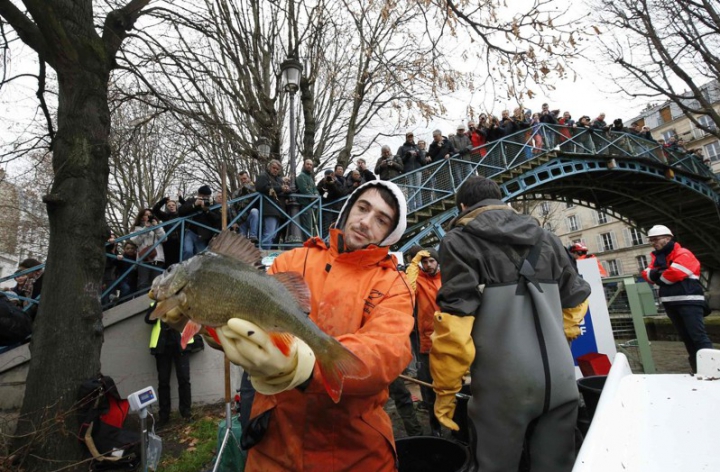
[638, 315]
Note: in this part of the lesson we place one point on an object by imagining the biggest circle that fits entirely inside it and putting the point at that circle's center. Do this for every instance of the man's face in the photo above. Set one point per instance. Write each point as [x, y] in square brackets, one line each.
[339, 171]
[171, 206]
[566, 115]
[437, 137]
[244, 179]
[130, 250]
[355, 175]
[361, 164]
[409, 138]
[274, 170]
[506, 114]
[308, 165]
[369, 222]
[545, 108]
[386, 153]
[429, 265]
[602, 116]
[421, 145]
[659, 242]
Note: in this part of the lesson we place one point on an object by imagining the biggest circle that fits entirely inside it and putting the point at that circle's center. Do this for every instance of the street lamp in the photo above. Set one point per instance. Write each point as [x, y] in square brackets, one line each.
[291, 70]
[263, 148]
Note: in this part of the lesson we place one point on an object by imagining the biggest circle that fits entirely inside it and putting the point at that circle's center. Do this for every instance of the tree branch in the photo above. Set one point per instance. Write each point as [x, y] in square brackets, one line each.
[118, 23]
[28, 31]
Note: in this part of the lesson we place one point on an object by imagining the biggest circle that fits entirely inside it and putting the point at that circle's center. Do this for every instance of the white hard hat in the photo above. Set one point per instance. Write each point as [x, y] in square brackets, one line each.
[659, 230]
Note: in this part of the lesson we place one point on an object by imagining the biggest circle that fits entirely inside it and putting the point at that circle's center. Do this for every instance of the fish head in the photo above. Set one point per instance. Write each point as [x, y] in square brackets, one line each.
[167, 291]
[170, 282]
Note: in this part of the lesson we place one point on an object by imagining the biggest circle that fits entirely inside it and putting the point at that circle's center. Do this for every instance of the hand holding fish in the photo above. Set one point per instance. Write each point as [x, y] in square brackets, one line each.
[271, 371]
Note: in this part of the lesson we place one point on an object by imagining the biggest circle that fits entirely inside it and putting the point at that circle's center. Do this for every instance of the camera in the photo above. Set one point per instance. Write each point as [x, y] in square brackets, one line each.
[329, 178]
[206, 201]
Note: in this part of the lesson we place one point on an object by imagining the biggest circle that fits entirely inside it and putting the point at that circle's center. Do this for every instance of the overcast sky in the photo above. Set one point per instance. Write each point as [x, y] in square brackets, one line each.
[590, 94]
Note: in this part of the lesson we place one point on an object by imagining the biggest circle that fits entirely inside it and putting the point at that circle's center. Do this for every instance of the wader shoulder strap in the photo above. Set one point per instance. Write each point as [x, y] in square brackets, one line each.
[525, 265]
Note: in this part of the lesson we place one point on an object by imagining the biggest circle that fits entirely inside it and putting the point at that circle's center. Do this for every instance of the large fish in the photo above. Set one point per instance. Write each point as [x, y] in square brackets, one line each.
[225, 282]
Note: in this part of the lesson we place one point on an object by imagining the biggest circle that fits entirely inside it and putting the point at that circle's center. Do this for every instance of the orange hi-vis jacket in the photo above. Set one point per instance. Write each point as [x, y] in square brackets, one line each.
[425, 295]
[362, 300]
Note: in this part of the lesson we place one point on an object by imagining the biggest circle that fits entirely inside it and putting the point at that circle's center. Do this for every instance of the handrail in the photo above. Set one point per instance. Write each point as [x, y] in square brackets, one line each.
[435, 182]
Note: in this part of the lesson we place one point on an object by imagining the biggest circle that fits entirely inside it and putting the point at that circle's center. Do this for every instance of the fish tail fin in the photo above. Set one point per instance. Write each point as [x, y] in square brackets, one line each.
[282, 341]
[337, 364]
[191, 329]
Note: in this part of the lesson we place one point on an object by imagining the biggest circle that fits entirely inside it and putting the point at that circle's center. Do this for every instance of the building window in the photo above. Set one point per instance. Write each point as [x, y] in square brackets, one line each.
[602, 217]
[613, 267]
[669, 134]
[606, 242]
[707, 122]
[569, 204]
[665, 115]
[636, 237]
[642, 262]
[545, 208]
[712, 151]
[573, 223]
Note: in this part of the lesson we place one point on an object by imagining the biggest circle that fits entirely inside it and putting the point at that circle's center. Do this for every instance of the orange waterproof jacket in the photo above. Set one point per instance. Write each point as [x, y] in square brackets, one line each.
[427, 289]
[362, 300]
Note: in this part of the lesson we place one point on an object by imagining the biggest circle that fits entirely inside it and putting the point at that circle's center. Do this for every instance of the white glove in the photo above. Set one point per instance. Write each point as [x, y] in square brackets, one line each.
[269, 369]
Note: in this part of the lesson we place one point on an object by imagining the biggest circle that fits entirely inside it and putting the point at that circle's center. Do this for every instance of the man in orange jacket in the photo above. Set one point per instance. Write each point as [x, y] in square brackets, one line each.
[424, 276]
[359, 297]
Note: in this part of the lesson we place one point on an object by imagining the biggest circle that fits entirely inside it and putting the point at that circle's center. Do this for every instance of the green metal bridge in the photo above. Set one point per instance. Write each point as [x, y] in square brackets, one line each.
[632, 179]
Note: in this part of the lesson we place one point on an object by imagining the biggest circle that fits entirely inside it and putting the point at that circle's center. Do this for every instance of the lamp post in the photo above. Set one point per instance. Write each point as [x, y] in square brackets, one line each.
[291, 70]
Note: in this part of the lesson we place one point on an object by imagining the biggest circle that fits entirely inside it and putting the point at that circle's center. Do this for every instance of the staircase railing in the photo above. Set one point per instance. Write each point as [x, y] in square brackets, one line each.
[424, 188]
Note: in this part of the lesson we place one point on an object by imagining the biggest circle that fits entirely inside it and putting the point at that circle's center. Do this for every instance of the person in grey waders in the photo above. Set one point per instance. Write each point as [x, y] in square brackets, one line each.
[505, 284]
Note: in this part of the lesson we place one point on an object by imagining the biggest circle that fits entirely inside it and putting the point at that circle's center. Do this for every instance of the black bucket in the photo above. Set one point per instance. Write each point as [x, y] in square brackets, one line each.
[591, 388]
[461, 416]
[430, 454]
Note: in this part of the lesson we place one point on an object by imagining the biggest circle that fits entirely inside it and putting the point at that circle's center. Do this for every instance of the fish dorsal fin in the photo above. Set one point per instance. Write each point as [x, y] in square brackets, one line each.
[229, 243]
[295, 283]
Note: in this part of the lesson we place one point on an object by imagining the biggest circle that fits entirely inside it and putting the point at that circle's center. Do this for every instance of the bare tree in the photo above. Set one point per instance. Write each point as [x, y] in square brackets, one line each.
[68, 334]
[666, 49]
[151, 158]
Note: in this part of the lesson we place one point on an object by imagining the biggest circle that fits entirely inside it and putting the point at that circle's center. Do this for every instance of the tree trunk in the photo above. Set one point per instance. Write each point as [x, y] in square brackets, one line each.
[307, 100]
[68, 331]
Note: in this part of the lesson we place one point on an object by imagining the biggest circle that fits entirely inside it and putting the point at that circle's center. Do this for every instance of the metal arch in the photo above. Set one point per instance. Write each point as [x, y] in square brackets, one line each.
[560, 168]
[706, 239]
[575, 201]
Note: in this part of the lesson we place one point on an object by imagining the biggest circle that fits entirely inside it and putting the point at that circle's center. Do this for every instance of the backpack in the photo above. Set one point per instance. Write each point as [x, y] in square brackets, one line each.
[102, 413]
[15, 324]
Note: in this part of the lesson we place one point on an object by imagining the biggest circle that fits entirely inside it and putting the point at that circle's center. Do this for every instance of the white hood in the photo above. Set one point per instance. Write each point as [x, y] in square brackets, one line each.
[396, 233]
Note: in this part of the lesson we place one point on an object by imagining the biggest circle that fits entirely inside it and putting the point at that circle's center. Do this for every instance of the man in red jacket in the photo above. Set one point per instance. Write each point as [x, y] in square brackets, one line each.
[676, 271]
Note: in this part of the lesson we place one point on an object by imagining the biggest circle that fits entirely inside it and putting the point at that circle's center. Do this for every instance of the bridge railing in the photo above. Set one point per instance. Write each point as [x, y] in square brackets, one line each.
[423, 188]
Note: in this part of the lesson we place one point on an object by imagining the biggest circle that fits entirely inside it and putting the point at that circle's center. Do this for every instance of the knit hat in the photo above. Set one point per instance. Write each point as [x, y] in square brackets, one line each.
[205, 190]
[433, 253]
